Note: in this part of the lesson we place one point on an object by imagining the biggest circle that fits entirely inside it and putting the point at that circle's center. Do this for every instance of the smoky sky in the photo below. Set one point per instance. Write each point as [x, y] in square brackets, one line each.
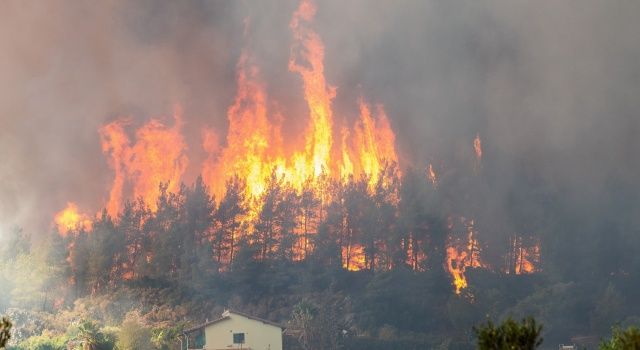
[551, 87]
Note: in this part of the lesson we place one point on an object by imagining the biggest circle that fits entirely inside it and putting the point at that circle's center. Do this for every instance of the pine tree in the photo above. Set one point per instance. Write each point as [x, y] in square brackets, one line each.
[228, 221]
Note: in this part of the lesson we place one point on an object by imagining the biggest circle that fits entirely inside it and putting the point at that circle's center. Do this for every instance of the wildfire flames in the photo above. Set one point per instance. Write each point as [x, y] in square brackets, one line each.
[70, 219]
[526, 262]
[255, 151]
[353, 258]
[156, 157]
[462, 253]
[254, 146]
[523, 259]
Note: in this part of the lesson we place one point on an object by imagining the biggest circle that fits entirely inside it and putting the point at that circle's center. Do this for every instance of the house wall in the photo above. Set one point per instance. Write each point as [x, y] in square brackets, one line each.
[258, 335]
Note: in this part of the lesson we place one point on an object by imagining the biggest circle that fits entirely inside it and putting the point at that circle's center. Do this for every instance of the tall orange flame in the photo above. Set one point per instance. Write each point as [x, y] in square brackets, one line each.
[306, 59]
[116, 144]
[347, 167]
[249, 152]
[158, 156]
[374, 143]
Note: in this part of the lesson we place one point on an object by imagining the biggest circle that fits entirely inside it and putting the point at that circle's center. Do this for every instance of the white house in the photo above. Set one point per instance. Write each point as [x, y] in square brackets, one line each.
[234, 330]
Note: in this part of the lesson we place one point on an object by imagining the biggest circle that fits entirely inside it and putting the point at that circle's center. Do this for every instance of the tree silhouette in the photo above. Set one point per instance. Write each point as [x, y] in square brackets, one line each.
[5, 332]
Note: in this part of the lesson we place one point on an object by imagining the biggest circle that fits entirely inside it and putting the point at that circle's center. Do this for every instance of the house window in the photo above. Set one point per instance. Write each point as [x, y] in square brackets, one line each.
[238, 338]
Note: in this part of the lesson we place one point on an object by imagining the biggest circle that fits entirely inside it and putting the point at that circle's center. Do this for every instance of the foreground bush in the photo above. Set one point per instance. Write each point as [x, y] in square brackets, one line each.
[623, 339]
[509, 335]
[43, 342]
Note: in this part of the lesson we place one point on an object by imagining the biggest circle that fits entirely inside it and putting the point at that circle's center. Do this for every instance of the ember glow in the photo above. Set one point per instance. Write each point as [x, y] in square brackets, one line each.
[353, 258]
[523, 258]
[477, 147]
[527, 260]
[431, 175]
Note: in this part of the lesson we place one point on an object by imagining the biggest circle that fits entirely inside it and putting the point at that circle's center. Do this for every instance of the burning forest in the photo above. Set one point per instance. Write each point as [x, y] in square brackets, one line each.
[397, 174]
[341, 178]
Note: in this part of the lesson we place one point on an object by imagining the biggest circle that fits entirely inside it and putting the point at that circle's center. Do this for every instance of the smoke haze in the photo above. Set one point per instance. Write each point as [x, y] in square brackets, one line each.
[551, 88]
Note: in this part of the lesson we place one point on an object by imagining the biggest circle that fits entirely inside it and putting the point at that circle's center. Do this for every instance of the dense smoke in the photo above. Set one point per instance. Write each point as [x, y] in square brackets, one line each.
[550, 87]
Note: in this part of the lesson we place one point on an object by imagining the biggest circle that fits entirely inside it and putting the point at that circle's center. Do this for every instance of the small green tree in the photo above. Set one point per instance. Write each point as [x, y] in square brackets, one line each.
[164, 338]
[88, 336]
[622, 339]
[509, 335]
